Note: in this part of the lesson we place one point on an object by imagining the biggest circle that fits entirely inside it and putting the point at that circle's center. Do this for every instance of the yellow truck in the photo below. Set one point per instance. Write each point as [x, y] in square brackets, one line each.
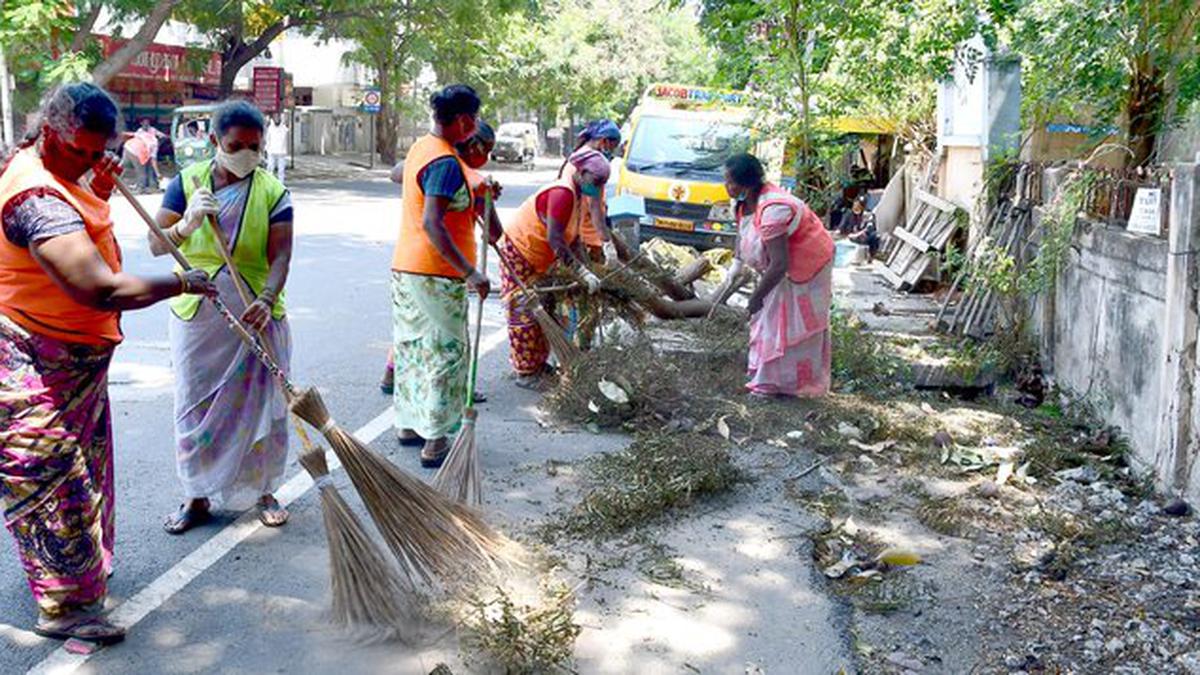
[679, 139]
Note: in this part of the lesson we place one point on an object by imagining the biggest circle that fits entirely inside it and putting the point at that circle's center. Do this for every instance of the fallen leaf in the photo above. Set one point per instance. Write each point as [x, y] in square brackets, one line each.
[847, 430]
[874, 447]
[777, 442]
[927, 409]
[723, 428]
[850, 527]
[899, 556]
[794, 435]
[592, 406]
[613, 392]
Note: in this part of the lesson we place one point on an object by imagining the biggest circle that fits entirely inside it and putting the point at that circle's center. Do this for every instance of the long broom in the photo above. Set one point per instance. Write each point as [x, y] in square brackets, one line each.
[369, 598]
[431, 536]
[565, 350]
[461, 475]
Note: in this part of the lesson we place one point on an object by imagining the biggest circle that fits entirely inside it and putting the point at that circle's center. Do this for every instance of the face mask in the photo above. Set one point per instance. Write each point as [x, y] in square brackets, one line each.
[240, 163]
[608, 154]
[740, 198]
[590, 190]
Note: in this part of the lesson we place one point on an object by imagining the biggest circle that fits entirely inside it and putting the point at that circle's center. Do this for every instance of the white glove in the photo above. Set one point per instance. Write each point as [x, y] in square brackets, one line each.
[202, 204]
[611, 259]
[591, 280]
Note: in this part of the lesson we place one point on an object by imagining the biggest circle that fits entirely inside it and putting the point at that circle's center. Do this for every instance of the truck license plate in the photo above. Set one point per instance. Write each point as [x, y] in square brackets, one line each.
[674, 224]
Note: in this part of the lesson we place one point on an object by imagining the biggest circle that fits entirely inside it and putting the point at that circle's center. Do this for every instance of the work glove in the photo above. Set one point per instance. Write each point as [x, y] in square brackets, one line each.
[590, 280]
[611, 259]
[202, 204]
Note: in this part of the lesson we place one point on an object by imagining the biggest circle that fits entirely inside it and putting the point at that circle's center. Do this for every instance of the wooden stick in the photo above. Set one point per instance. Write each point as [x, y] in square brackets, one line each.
[222, 309]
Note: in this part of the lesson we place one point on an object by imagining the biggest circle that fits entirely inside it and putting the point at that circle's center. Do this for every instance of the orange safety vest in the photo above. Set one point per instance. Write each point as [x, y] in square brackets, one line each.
[28, 295]
[529, 233]
[587, 231]
[415, 253]
[810, 248]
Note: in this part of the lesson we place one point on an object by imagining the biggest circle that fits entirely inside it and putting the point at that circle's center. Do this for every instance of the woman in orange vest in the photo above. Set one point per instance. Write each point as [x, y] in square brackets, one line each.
[603, 136]
[782, 239]
[544, 230]
[475, 152]
[432, 268]
[61, 294]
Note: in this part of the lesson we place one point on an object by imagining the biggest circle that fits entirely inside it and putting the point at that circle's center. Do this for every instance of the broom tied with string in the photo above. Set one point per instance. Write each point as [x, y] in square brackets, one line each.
[461, 475]
[369, 598]
[432, 537]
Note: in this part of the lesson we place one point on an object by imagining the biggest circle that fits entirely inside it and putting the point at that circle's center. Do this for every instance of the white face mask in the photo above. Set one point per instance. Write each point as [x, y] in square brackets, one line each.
[240, 163]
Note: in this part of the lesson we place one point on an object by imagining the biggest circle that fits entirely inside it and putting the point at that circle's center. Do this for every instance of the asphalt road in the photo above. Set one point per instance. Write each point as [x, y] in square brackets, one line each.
[339, 311]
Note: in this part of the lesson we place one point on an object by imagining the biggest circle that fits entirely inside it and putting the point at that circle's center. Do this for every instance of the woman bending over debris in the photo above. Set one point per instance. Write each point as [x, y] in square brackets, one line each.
[545, 229]
[783, 240]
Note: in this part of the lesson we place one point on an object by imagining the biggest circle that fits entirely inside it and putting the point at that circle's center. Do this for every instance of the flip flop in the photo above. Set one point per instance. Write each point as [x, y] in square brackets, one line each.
[92, 629]
[272, 507]
[185, 519]
[413, 441]
[436, 461]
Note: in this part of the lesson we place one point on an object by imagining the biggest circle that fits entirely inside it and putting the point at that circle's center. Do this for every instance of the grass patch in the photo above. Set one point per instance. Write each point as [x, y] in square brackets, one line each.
[948, 516]
[861, 359]
[655, 474]
[534, 637]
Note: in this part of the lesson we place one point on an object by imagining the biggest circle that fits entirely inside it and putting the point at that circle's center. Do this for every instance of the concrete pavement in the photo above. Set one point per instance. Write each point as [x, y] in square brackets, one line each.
[236, 597]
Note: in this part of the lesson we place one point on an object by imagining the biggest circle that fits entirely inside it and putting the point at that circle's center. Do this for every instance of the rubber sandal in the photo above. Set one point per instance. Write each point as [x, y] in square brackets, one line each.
[185, 519]
[92, 629]
[436, 461]
[272, 506]
[414, 441]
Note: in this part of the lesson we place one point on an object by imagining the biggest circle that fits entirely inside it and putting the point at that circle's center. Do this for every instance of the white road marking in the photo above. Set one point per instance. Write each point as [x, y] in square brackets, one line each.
[171, 582]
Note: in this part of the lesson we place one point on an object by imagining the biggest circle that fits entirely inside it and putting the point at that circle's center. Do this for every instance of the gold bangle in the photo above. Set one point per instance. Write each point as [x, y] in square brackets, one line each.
[185, 286]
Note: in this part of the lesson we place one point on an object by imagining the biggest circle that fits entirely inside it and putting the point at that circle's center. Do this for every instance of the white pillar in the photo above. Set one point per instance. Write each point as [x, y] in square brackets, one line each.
[1174, 460]
[5, 100]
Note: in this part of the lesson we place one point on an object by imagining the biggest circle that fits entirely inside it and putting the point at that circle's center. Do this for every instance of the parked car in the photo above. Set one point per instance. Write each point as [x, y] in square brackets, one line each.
[516, 142]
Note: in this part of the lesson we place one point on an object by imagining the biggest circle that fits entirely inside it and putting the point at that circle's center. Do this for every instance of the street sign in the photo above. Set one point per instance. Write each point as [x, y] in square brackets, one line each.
[268, 88]
[1146, 215]
[372, 100]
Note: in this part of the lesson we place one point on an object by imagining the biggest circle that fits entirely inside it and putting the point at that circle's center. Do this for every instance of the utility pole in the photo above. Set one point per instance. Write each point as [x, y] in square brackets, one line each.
[5, 100]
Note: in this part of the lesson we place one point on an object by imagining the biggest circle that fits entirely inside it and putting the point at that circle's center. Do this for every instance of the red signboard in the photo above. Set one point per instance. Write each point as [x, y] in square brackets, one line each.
[168, 63]
[268, 88]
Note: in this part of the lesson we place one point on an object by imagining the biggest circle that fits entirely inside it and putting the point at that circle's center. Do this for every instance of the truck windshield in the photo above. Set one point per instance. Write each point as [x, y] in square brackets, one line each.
[678, 146]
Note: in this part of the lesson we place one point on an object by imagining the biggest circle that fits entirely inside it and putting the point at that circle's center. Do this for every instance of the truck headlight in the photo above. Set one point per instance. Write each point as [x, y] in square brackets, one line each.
[721, 212]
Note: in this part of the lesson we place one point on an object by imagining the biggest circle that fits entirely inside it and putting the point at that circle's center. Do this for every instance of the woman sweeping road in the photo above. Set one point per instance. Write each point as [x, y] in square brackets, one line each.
[782, 239]
[545, 229]
[230, 418]
[433, 265]
[61, 294]
[474, 153]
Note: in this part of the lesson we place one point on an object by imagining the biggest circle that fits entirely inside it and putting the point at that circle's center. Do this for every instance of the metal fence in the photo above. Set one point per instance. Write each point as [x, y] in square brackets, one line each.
[1111, 195]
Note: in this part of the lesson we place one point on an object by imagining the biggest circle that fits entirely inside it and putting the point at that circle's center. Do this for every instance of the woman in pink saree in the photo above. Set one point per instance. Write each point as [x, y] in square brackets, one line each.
[786, 243]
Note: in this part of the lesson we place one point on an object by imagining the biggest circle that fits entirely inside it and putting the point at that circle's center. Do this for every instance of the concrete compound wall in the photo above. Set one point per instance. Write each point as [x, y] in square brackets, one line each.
[1109, 305]
[1120, 332]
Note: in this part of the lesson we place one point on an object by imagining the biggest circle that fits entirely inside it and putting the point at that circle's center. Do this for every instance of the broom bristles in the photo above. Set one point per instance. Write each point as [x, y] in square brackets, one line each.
[566, 352]
[461, 477]
[369, 598]
[431, 536]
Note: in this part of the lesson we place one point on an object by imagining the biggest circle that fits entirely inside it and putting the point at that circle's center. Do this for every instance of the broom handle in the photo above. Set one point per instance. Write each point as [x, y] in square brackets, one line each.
[244, 293]
[232, 320]
[487, 224]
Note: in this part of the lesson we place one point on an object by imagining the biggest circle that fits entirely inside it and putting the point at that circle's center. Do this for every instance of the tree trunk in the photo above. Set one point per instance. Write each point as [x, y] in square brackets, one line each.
[235, 57]
[1144, 110]
[83, 34]
[114, 64]
[386, 122]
